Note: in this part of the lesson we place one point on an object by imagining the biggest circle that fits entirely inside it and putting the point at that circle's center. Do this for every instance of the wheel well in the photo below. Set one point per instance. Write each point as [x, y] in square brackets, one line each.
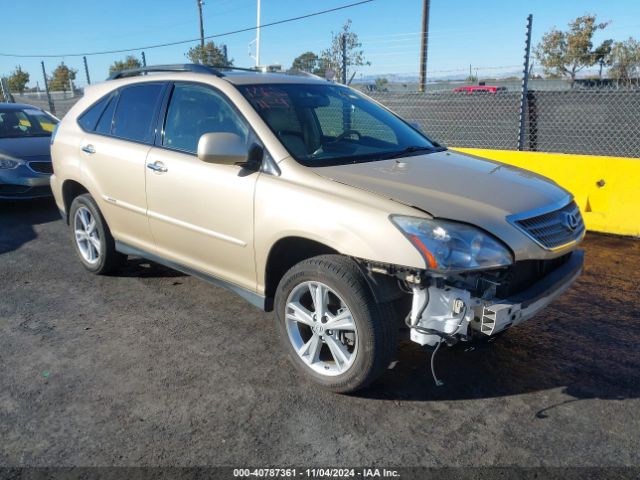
[285, 254]
[70, 190]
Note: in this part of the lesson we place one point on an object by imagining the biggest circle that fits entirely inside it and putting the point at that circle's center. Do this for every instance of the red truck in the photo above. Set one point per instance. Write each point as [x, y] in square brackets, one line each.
[479, 89]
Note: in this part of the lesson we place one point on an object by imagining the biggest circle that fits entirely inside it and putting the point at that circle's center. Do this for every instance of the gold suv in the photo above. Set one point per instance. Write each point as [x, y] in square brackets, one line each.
[311, 199]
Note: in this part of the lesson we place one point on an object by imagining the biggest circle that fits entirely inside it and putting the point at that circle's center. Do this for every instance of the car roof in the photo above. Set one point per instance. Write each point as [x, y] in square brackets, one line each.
[14, 107]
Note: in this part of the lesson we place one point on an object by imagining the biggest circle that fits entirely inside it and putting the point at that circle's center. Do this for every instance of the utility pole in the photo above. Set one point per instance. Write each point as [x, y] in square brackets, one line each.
[144, 60]
[86, 70]
[525, 83]
[343, 43]
[258, 36]
[52, 107]
[424, 43]
[200, 3]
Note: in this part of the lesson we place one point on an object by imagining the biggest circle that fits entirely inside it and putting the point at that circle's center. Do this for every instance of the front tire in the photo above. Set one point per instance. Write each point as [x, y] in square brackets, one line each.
[91, 236]
[334, 331]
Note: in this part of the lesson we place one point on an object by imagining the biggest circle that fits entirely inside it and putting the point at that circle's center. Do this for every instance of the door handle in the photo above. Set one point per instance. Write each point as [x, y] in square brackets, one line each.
[89, 149]
[157, 167]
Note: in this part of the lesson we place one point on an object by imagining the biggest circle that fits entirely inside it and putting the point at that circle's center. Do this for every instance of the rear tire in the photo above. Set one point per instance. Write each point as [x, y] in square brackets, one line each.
[91, 236]
[349, 340]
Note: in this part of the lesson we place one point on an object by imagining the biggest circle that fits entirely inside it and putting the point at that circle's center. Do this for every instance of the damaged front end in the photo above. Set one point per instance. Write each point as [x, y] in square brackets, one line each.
[478, 304]
[483, 303]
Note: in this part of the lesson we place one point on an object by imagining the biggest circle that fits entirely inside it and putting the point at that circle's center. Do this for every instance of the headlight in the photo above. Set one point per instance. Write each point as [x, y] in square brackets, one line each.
[451, 246]
[7, 163]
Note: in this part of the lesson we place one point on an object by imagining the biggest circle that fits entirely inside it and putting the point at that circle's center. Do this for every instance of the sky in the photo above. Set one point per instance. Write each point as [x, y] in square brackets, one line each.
[486, 34]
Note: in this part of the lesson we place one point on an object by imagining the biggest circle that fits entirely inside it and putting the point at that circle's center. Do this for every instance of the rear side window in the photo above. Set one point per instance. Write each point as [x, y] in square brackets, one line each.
[90, 117]
[136, 111]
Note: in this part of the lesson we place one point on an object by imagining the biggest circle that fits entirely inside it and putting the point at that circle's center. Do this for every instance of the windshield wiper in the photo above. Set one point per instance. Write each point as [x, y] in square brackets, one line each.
[411, 149]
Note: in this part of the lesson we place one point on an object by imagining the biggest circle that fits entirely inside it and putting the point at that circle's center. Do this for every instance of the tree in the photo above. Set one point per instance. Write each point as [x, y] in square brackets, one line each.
[332, 57]
[126, 64]
[381, 84]
[564, 54]
[61, 78]
[307, 62]
[603, 56]
[18, 80]
[210, 54]
[625, 60]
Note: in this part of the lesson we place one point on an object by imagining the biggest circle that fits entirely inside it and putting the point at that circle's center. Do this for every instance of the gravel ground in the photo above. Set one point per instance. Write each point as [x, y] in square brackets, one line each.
[151, 367]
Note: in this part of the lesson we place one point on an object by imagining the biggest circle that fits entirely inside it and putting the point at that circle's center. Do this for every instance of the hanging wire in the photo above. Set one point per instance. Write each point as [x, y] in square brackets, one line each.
[180, 42]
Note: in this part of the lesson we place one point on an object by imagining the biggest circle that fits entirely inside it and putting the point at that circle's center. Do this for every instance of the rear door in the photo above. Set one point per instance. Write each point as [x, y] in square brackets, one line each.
[114, 153]
[201, 214]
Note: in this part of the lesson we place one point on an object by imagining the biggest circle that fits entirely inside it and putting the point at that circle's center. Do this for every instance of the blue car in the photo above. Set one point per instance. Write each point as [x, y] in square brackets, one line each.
[25, 158]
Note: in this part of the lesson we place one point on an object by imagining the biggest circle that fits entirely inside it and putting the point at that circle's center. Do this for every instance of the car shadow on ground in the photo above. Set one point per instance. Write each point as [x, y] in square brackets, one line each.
[510, 366]
[17, 219]
[139, 267]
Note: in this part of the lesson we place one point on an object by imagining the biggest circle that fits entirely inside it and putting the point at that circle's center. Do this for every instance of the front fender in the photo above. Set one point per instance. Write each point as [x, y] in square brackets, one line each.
[346, 219]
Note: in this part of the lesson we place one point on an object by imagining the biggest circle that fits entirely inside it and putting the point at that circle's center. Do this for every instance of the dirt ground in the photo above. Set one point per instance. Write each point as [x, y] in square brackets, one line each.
[151, 367]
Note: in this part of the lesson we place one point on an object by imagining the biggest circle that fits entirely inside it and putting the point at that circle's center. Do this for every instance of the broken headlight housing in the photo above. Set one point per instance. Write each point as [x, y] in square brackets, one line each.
[449, 246]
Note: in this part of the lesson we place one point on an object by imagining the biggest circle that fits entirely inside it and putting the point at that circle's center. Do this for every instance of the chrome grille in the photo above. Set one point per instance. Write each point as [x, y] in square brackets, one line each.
[553, 229]
[41, 167]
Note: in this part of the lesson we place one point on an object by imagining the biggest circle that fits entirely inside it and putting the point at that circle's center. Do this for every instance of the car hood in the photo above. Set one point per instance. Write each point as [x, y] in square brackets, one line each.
[459, 187]
[26, 148]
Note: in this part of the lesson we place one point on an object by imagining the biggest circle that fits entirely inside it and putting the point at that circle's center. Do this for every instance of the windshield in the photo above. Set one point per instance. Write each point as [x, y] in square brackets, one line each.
[29, 122]
[327, 124]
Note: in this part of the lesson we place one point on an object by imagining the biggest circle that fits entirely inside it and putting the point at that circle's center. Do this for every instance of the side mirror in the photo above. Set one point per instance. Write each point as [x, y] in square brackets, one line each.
[222, 148]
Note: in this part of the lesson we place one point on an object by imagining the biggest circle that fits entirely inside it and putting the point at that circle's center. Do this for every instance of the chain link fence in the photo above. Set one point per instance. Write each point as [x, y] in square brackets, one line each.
[596, 122]
[581, 121]
[62, 101]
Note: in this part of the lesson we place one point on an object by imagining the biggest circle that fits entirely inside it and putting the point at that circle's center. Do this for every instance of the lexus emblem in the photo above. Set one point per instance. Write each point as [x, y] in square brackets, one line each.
[570, 221]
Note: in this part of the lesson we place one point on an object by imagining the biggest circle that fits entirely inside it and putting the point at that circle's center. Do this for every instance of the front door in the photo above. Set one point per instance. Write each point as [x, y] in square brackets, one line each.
[201, 214]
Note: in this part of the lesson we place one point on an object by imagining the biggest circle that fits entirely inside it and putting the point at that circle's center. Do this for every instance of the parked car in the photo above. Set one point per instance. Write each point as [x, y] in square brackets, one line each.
[25, 159]
[308, 198]
[470, 89]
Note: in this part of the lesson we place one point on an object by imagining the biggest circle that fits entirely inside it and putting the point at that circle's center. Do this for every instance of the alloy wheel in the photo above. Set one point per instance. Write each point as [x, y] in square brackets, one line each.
[87, 235]
[321, 328]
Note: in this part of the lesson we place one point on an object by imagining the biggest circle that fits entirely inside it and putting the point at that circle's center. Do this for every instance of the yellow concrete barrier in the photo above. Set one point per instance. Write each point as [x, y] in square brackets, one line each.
[607, 189]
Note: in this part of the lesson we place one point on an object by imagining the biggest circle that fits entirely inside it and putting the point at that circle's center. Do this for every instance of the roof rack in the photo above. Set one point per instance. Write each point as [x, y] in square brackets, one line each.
[184, 67]
[217, 70]
[241, 69]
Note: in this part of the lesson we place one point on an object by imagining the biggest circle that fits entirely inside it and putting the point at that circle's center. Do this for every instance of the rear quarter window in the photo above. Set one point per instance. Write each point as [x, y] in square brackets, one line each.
[106, 119]
[89, 119]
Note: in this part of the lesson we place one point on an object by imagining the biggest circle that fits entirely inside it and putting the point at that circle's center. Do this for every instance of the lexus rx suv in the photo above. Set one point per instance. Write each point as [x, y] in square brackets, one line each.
[310, 199]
